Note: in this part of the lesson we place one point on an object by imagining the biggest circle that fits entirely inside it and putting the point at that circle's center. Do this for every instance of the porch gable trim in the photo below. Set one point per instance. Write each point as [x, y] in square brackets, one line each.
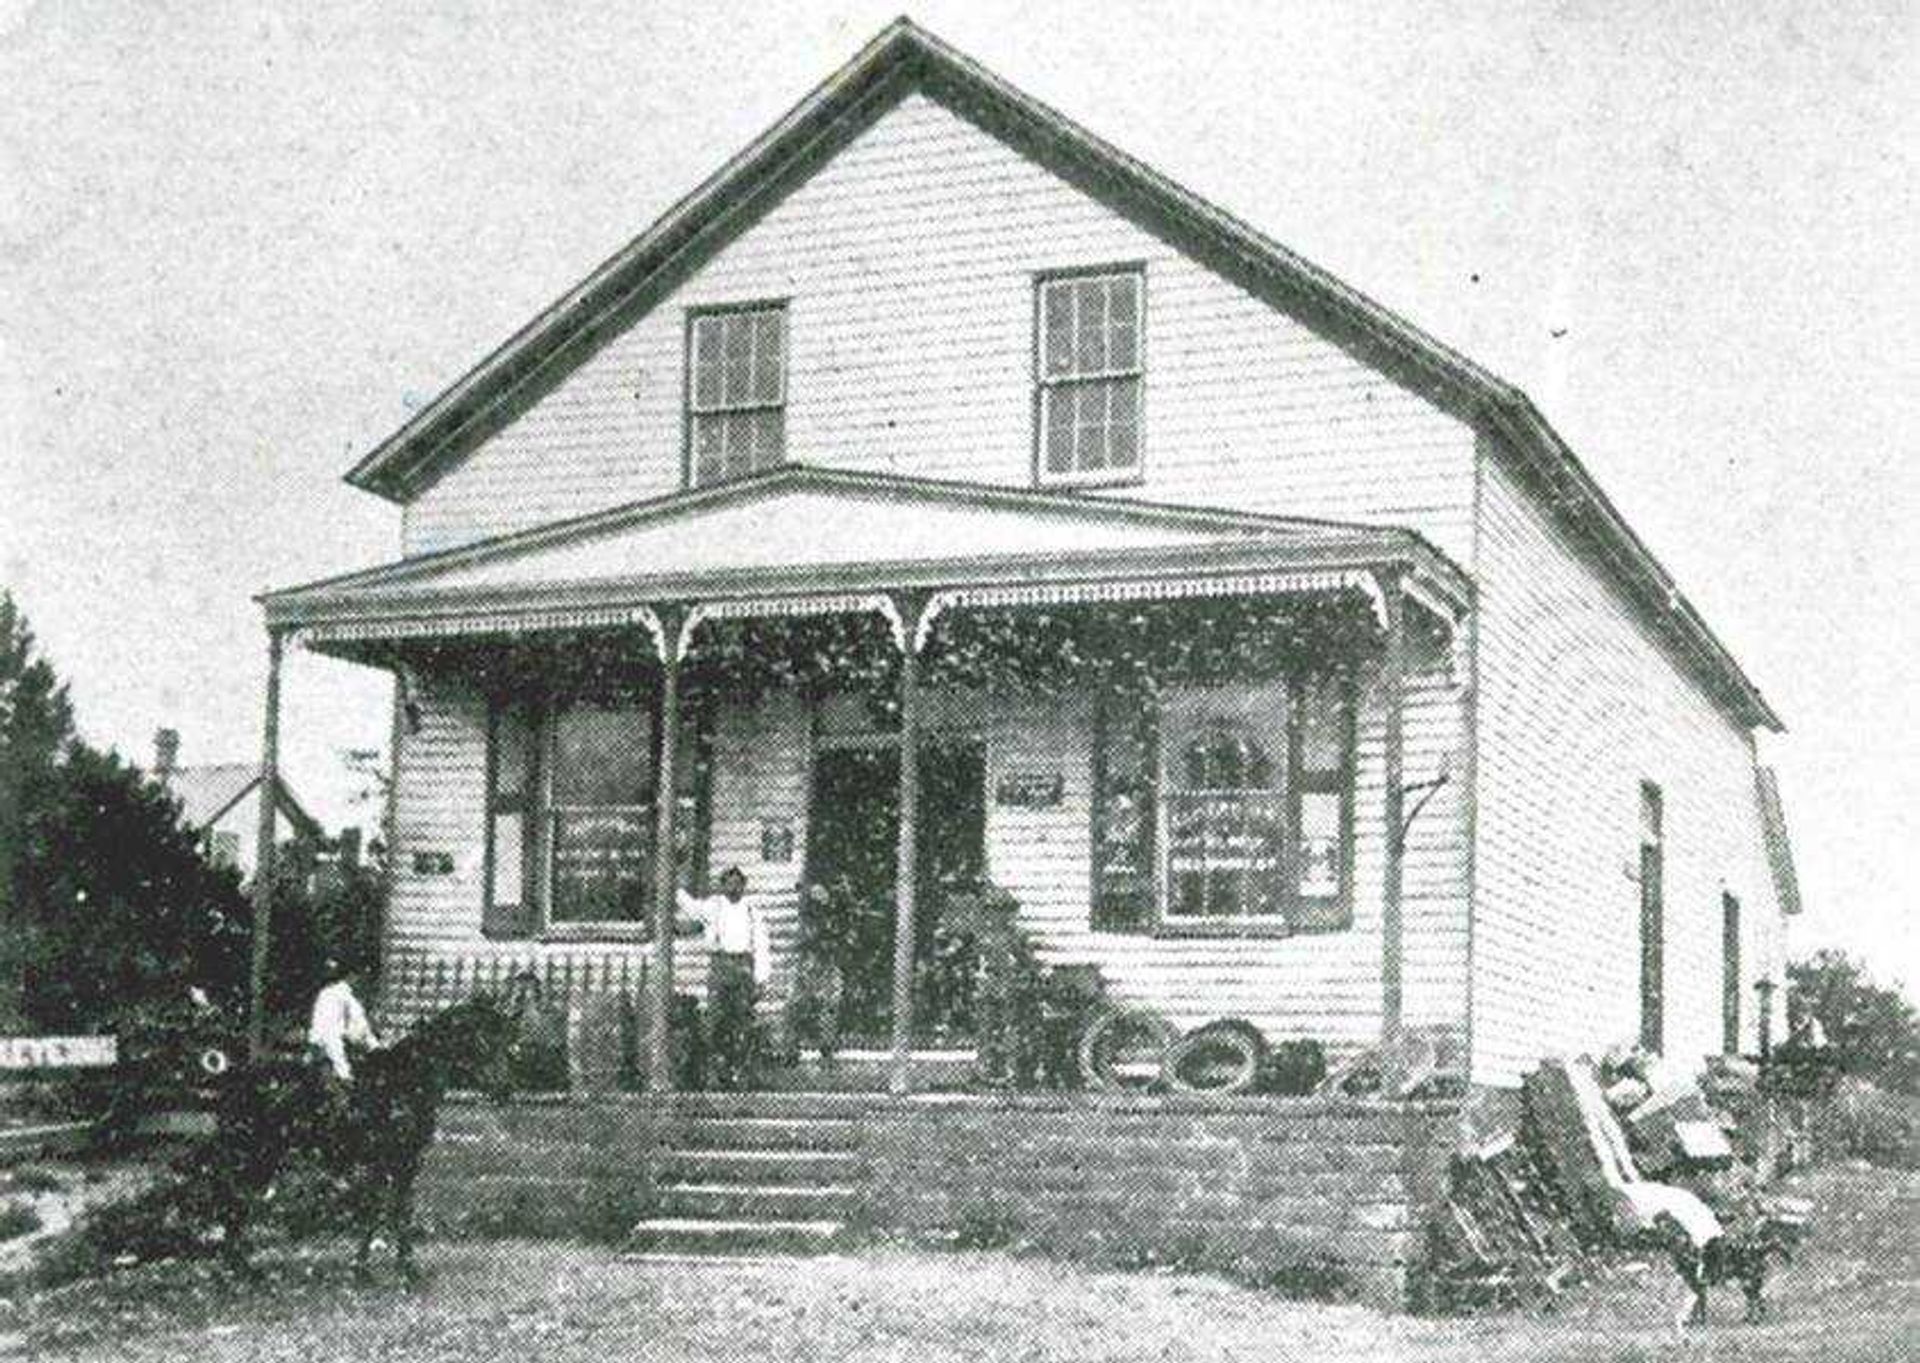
[345, 616]
[799, 477]
[1154, 589]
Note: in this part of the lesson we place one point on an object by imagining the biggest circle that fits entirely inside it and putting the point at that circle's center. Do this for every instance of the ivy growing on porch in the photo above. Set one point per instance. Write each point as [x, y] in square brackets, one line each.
[1037, 648]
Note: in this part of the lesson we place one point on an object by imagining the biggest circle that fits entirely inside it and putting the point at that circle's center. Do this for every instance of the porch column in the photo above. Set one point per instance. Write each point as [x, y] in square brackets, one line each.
[1393, 667]
[665, 871]
[264, 851]
[911, 607]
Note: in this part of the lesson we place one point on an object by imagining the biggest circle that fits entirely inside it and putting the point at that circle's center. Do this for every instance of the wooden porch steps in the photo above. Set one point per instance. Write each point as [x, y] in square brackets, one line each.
[780, 1200]
[691, 1235]
[755, 1173]
[768, 1133]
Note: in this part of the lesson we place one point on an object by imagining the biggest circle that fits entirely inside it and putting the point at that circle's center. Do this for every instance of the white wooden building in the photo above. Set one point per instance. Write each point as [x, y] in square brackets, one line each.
[220, 803]
[927, 351]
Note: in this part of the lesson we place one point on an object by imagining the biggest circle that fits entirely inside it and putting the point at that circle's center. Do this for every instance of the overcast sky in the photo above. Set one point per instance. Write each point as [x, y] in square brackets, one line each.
[238, 245]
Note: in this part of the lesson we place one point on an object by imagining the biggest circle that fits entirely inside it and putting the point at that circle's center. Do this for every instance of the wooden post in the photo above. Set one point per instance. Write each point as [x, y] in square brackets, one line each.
[911, 607]
[1393, 667]
[665, 872]
[263, 858]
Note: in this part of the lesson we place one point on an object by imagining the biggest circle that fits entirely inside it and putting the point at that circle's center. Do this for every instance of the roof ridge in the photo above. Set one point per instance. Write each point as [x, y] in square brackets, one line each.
[903, 53]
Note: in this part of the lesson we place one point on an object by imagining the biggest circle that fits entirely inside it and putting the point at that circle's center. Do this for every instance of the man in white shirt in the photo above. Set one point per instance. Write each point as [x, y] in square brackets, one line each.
[338, 1027]
[739, 961]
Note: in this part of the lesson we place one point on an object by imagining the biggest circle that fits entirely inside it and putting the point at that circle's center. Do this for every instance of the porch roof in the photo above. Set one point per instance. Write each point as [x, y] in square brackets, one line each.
[801, 530]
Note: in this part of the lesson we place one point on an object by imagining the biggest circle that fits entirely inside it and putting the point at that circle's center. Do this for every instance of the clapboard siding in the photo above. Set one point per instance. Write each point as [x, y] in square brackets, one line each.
[1322, 985]
[760, 758]
[907, 262]
[1579, 702]
[1325, 986]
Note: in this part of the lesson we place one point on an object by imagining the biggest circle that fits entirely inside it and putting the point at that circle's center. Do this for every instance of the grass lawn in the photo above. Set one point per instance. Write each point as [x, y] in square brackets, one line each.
[1853, 1294]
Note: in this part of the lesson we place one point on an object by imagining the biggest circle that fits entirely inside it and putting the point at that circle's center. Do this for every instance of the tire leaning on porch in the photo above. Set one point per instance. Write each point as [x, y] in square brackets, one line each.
[1103, 1061]
[1192, 1066]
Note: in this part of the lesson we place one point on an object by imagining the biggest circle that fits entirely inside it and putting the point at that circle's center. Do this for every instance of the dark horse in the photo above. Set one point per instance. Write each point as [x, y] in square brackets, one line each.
[372, 1144]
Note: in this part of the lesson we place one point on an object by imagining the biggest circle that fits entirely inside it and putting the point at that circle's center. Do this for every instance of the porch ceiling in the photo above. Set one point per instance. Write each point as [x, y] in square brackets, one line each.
[803, 530]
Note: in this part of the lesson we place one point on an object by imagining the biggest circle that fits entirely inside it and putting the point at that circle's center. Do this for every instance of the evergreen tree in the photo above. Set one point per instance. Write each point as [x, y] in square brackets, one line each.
[36, 727]
[122, 909]
[1873, 1031]
[109, 904]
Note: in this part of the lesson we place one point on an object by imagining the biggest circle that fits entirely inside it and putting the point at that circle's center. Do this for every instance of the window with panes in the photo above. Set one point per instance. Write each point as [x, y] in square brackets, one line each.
[1225, 808]
[572, 791]
[736, 392]
[1090, 371]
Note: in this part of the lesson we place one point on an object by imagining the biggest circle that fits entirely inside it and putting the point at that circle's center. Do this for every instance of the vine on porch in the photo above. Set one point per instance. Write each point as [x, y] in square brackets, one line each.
[1142, 644]
[1046, 649]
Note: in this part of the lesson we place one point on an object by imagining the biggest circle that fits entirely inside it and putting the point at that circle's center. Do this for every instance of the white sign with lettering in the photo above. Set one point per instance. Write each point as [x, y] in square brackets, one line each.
[58, 1052]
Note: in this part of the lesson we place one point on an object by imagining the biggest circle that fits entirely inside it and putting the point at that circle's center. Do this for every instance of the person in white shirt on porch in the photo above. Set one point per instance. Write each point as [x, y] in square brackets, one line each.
[739, 963]
[338, 1027]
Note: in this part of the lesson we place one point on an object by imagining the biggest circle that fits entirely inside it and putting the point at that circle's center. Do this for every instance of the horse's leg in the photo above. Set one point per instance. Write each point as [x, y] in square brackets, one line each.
[238, 1197]
[1693, 1272]
[1753, 1282]
[402, 1212]
[366, 1203]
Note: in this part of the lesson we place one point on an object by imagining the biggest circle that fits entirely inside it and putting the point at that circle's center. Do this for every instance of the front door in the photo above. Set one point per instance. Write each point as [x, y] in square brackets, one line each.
[853, 849]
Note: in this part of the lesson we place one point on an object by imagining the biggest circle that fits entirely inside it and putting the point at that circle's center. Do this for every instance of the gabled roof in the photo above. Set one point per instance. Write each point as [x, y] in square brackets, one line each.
[207, 792]
[799, 527]
[905, 58]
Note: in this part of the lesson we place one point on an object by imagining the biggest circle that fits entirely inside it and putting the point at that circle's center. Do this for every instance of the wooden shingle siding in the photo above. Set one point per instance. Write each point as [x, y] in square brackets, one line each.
[1579, 703]
[908, 261]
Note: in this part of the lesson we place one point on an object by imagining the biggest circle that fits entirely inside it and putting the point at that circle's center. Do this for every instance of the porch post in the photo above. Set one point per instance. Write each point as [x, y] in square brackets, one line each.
[665, 871]
[264, 851]
[1393, 669]
[911, 606]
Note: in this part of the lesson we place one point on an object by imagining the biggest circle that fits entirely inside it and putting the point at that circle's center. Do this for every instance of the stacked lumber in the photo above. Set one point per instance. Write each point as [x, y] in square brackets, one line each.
[1522, 1214]
[1500, 1238]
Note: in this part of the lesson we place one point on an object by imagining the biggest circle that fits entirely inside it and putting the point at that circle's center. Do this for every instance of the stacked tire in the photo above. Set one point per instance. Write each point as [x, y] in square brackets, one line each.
[1127, 1050]
[1223, 1057]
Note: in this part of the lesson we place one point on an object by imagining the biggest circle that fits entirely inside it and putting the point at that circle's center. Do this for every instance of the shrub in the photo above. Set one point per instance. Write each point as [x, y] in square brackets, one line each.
[1865, 1122]
[31, 1178]
[1313, 1277]
[986, 1226]
[17, 1219]
[1027, 1018]
[1294, 1068]
[537, 1055]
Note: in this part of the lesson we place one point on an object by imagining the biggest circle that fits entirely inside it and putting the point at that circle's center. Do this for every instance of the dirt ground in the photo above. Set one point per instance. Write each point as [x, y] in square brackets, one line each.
[1853, 1294]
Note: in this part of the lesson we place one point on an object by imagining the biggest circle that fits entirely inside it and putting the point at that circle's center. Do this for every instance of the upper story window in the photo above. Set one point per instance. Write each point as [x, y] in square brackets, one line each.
[736, 392]
[1091, 368]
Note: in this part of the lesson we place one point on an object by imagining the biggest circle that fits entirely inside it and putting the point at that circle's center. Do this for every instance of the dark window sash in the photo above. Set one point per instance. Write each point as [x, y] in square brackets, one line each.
[1125, 907]
[1730, 967]
[530, 910]
[1124, 902]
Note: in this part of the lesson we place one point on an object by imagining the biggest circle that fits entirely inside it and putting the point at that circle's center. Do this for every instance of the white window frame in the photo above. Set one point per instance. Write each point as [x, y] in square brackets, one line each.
[1045, 383]
[696, 411]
